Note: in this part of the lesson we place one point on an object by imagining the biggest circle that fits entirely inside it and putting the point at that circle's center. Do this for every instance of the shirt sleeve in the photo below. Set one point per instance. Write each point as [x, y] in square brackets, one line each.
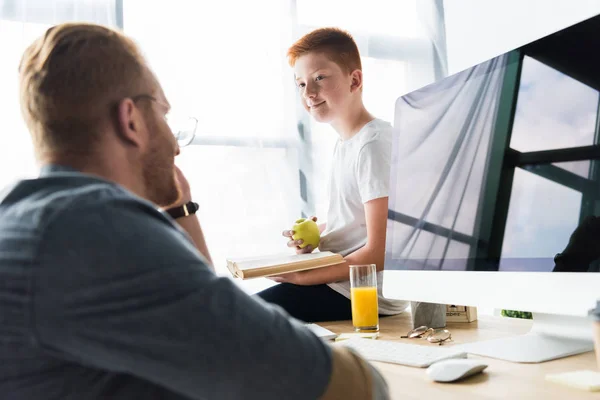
[373, 170]
[352, 378]
[119, 288]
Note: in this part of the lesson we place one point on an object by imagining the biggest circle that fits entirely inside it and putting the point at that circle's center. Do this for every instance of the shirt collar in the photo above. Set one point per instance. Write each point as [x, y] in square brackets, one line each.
[49, 169]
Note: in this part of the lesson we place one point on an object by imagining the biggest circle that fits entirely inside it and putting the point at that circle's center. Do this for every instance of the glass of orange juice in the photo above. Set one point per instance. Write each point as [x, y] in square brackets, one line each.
[363, 297]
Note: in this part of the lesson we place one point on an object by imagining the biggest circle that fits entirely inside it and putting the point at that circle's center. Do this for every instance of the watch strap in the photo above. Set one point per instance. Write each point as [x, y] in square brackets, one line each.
[184, 210]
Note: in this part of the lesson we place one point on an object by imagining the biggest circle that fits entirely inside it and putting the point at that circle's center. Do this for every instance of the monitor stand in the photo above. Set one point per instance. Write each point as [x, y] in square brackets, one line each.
[551, 337]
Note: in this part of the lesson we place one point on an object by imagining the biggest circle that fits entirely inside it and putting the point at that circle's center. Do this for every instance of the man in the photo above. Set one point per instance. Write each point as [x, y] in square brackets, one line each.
[102, 296]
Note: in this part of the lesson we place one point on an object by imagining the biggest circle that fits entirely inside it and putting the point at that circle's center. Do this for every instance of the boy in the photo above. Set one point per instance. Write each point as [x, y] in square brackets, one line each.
[329, 78]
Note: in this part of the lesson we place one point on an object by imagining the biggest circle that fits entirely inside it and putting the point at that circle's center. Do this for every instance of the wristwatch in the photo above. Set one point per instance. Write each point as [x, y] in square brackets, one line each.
[188, 208]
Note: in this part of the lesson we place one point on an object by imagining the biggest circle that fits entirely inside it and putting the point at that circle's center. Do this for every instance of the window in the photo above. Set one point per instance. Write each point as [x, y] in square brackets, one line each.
[379, 17]
[229, 70]
[553, 110]
[16, 149]
[555, 117]
[533, 228]
[20, 24]
[246, 195]
[581, 168]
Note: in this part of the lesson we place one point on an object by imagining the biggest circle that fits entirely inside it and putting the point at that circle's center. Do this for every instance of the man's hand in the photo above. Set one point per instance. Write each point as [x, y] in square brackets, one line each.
[296, 243]
[184, 188]
[185, 193]
[190, 224]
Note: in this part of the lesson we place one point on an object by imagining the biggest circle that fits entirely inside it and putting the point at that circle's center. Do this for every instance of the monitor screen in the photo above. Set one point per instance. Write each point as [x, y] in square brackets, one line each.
[497, 168]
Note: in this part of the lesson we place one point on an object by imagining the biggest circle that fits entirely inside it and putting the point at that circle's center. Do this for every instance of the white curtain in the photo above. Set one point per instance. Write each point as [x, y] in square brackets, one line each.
[439, 162]
[431, 15]
[21, 22]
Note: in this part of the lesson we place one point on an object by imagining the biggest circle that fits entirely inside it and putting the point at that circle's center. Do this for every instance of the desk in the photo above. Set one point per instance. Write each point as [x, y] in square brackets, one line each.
[501, 380]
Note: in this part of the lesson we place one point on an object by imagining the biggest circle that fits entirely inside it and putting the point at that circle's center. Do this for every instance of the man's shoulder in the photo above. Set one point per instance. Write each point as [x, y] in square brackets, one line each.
[41, 200]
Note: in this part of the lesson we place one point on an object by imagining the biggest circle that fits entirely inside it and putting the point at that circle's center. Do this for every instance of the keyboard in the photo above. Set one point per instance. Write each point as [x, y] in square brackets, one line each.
[412, 355]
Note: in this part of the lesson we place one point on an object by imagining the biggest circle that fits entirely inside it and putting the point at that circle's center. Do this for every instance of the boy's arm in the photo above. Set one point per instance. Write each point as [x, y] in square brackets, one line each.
[372, 177]
[376, 212]
[372, 253]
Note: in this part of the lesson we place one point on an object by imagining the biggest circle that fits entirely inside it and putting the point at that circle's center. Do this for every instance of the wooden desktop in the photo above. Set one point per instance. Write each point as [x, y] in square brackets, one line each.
[501, 380]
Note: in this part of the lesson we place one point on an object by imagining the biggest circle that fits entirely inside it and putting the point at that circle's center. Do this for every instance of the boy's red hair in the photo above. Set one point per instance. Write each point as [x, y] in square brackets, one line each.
[336, 43]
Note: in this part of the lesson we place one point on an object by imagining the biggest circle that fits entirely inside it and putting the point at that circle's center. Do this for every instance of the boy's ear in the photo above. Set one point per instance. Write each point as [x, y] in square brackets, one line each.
[357, 80]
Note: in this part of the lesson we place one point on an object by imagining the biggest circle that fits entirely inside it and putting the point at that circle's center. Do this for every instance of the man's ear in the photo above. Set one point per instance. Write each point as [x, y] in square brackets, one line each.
[356, 80]
[131, 127]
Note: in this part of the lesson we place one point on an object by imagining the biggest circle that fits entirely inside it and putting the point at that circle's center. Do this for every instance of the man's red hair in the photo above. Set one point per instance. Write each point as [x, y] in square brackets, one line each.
[337, 44]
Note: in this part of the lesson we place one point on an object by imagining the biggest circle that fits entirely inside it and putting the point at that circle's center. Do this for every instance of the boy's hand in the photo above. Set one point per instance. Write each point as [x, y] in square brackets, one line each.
[293, 277]
[296, 243]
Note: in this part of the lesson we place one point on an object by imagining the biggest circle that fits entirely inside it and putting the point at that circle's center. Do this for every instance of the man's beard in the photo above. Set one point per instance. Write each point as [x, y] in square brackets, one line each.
[159, 175]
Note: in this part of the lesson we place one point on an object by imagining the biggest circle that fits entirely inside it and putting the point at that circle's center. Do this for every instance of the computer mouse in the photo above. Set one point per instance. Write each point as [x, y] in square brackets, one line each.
[455, 369]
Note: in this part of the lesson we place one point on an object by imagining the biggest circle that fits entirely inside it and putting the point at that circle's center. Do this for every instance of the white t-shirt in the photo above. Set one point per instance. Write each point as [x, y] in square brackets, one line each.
[360, 172]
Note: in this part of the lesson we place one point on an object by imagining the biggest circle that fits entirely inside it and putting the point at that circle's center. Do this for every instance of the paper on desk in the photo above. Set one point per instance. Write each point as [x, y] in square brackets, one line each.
[346, 336]
[584, 379]
[321, 332]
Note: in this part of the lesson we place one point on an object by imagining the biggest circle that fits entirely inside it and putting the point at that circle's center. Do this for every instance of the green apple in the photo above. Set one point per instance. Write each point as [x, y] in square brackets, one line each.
[308, 231]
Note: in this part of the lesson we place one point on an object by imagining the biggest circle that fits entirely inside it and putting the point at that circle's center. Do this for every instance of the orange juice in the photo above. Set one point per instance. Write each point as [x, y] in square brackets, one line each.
[364, 307]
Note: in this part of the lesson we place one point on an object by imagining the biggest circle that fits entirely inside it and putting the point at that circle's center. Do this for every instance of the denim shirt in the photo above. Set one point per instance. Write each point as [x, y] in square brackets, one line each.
[102, 296]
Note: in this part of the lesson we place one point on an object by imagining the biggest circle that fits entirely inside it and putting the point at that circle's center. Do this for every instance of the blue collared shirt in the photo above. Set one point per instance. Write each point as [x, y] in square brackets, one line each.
[104, 297]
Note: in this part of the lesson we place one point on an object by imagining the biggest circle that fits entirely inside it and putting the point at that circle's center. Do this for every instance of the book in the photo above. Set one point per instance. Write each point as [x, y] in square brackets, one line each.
[259, 267]
[456, 313]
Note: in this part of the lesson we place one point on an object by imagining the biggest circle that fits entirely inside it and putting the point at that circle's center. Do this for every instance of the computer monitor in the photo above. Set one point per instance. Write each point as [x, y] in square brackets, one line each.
[495, 176]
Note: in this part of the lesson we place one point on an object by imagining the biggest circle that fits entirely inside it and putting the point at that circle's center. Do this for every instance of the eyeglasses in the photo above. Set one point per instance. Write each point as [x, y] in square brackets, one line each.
[183, 127]
[432, 335]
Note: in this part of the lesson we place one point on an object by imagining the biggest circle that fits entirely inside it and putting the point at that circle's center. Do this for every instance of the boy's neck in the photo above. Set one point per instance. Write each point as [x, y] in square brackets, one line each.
[352, 122]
